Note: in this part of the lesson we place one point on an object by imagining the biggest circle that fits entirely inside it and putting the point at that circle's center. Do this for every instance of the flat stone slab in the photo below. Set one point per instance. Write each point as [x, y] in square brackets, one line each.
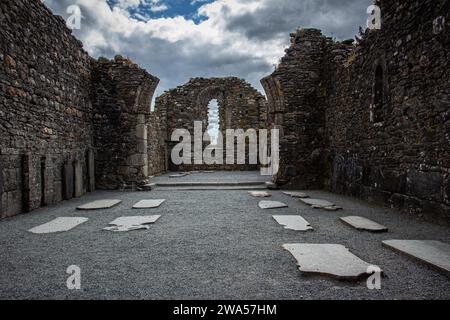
[149, 204]
[296, 194]
[272, 205]
[320, 204]
[125, 224]
[60, 224]
[181, 175]
[100, 204]
[434, 253]
[333, 260]
[296, 223]
[365, 224]
[259, 194]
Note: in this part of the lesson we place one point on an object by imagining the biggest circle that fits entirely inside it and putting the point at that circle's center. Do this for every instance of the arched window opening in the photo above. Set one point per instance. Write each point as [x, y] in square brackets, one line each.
[378, 103]
[213, 121]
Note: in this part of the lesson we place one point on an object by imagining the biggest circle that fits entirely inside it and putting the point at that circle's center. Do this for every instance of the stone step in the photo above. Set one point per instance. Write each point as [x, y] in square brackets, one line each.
[211, 184]
[209, 188]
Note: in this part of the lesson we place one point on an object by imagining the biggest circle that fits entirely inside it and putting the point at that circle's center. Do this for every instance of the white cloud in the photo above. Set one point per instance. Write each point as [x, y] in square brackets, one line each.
[243, 38]
[159, 8]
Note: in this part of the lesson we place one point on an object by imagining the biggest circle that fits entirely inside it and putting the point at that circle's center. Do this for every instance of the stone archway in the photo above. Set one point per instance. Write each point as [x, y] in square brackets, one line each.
[240, 107]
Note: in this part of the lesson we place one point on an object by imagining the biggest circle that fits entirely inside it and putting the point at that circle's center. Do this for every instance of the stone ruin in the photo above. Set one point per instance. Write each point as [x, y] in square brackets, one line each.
[240, 107]
[371, 119]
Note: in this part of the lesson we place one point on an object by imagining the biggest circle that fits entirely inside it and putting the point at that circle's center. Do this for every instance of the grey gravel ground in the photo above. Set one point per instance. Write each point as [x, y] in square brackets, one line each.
[207, 245]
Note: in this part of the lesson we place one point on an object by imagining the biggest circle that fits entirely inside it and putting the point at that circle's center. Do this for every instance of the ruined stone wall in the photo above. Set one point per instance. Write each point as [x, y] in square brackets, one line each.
[240, 107]
[45, 110]
[122, 94]
[68, 123]
[370, 120]
[388, 119]
[297, 107]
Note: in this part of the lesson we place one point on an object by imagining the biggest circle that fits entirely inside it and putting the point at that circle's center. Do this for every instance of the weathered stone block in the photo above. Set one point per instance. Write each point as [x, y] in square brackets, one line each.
[78, 176]
[91, 170]
[68, 181]
[2, 189]
[425, 185]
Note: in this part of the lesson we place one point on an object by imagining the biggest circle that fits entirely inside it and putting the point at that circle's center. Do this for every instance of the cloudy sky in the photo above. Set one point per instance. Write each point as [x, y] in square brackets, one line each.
[176, 40]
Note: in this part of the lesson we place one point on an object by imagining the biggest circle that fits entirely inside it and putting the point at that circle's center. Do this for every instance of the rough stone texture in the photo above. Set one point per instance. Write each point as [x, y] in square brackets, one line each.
[369, 120]
[296, 107]
[434, 253]
[122, 97]
[328, 259]
[1, 188]
[240, 107]
[45, 110]
[68, 122]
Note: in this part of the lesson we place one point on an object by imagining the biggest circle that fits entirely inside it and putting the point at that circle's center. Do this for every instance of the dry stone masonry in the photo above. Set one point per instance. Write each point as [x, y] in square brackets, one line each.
[68, 123]
[240, 107]
[370, 119]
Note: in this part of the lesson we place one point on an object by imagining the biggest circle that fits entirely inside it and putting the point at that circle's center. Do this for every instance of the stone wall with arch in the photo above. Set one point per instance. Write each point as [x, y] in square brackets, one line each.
[240, 107]
[370, 119]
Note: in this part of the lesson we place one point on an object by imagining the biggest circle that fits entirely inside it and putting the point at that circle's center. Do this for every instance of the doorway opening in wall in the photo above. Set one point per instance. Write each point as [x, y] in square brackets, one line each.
[213, 121]
[378, 103]
[43, 182]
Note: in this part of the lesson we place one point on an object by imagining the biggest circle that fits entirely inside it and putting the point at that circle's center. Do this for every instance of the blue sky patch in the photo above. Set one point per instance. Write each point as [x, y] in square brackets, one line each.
[148, 9]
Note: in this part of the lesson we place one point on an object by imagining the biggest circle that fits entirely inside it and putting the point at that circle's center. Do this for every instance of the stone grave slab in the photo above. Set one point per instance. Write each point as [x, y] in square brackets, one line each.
[100, 204]
[272, 205]
[78, 176]
[434, 253]
[180, 175]
[362, 223]
[60, 224]
[333, 260]
[259, 194]
[125, 224]
[68, 181]
[296, 194]
[149, 204]
[296, 223]
[320, 204]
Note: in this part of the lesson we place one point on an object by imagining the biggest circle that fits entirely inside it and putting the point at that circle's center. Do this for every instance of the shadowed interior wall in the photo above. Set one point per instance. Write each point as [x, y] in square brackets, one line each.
[370, 120]
[45, 109]
[67, 122]
[122, 95]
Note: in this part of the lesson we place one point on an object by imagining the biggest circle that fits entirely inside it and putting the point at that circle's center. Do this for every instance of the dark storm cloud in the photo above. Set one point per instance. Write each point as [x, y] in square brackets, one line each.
[338, 18]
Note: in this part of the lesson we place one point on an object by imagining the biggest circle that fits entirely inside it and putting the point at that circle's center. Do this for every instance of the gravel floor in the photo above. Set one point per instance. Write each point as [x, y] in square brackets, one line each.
[207, 245]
